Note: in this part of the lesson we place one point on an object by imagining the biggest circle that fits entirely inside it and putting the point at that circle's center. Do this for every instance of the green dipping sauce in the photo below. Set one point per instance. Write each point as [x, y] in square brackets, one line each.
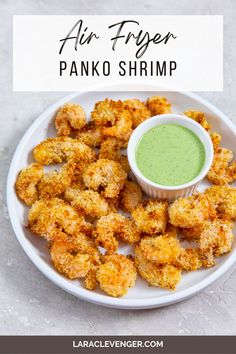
[170, 155]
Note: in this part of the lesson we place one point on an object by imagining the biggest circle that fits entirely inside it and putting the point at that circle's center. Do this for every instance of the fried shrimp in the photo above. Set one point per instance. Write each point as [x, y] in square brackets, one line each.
[222, 170]
[138, 110]
[191, 211]
[116, 275]
[105, 112]
[57, 150]
[90, 135]
[111, 150]
[162, 249]
[216, 139]
[131, 196]
[122, 128]
[47, 215]
[88, 202]
[189, 259]
[115, 226]
[162, 275]
[151, 216]
[69, 116]
[106, 174]
[158, 105]
[199, 117]
[27, 182]
[224, 200]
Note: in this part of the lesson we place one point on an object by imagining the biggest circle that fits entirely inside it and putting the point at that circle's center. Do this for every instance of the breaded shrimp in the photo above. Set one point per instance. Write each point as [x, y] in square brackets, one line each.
[122, 128]
[199, 117]
[222, 170]
[163, 276]
[57, 150]
[224, 200]
[88, 202]
[116, 275]
[69, 116]
[110, 149]
[151, 216]
[189, 259]
[47, 215]
[105, 112]
[158, 105]
[216, 139]
[27, 182]
[131, 196]
[162, 249]
[90, 135]
[138, 110]
[106, 174]
[191, 211]
[115, 226]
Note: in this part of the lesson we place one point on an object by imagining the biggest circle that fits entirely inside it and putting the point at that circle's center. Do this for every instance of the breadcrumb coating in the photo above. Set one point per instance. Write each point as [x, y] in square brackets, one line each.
[199, 117]
[224, 200]
[122, 129]
[27, 183]
[105, 112]
[138, 110]
[90, 135]
[151, 216]
[158, 105]
[69, 116]
[57, 150]
[216, 139]
[106, 174]
[131, 196]
[117, 275]
[222, 170]
[110, 149]
[189, 259]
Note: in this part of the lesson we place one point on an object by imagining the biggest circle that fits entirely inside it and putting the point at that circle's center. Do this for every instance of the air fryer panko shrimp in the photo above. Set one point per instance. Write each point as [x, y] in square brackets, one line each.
[69, 116]
[224, 200]
[122, 128]
[131, 196]
[105, 112]
[222, 170]
[199, 117]
[88, 202]
[162, 275]
[90, 135]
[189, 259]
[46, 216]
[163, 249]
[115, 226]
[151, 216]
[216, 139]
[138, 110]
[116, 275]
[191, 211]
[27, 182]
[57, 150]
[110, 149]
[106, 174]
[158, 105]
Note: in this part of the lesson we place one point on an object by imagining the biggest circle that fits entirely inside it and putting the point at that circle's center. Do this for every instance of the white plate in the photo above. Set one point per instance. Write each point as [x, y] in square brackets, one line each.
[141, 296]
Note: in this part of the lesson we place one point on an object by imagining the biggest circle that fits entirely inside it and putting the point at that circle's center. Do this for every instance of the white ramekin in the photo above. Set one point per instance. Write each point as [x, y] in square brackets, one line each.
[155, 190]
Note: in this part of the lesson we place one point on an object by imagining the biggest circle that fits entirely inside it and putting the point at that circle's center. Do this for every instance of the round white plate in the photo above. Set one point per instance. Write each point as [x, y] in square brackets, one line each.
[141, 296]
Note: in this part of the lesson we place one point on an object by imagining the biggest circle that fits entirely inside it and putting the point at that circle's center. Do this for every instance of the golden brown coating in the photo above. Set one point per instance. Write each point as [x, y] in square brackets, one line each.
[199, 117]
[224, 200]
[122, 129]
[57, 150]
[69, 116]
[110, 149]
[216, 139]
[27, 182]
[151, 216]
[222, 170]
[131, 196]
[107, 175]
[138, 110]
[164, 249]
[164, 276]
[87, 202]
[105, 112]
[46, 215]
[115, 226]
[90, 135]
[117, 275]
[158, 105]
[191, 211]
[189, 259]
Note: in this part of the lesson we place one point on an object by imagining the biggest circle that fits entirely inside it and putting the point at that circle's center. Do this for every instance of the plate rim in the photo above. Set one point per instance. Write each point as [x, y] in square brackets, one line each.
[59, 280]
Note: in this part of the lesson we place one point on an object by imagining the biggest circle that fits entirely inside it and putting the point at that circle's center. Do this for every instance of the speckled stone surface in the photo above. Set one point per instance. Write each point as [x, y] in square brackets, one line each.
[31, 304]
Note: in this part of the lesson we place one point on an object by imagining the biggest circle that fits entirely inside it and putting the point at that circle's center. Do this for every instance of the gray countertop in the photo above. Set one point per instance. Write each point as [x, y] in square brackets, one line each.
[31, 304]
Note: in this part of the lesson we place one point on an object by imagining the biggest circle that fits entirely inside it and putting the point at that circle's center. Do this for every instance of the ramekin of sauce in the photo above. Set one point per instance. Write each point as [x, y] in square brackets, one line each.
[169, 155]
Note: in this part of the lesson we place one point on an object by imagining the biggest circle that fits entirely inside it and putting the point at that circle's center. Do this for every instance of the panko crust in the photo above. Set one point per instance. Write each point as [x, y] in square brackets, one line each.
[199, 117]
[60, 149]
[131, 196]
[189, 259]
[90, 135]
[106, 174]
[222, 170]
[117, 275]
[158, 105]
[122, 129]
[105, 112]
[111, 149]
[138, 111]
[151, 216]
[69, 116]
[27, 183]
[224, 200]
